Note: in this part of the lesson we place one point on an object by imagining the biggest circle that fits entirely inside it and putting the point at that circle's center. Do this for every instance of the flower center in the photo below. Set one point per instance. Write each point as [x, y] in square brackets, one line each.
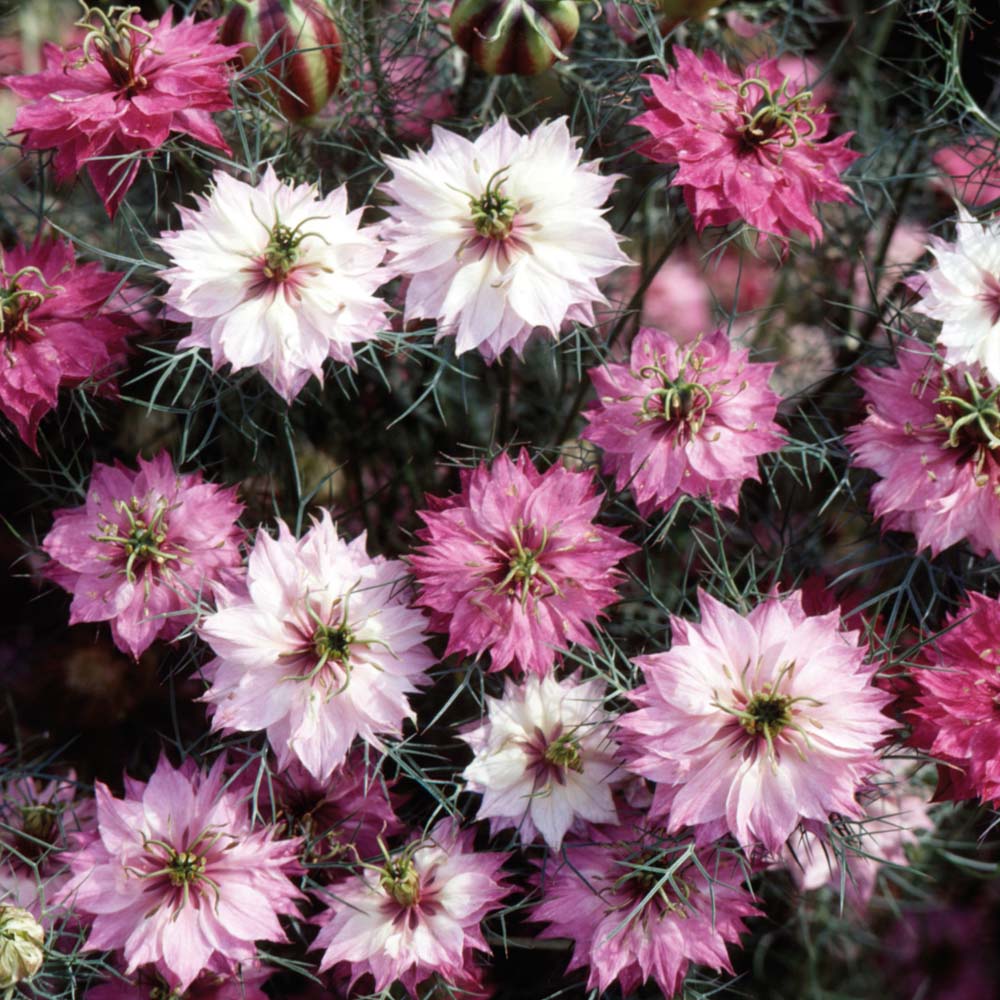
[493, 212]
[564, 752]
[282, 251]
[677, 402]
[185, 868]
[525, 574]
[972, 420]
[401, 880]
[767, 714]
[17, 304]
[991, 296]
[118, 42]
[144, 537]
[775, 118]
[333, 642]
[39, 821]
[646, 873]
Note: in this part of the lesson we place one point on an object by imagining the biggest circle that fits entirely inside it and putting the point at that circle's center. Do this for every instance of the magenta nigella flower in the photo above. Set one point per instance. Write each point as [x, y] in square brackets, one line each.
[119, 95]
[143, 548]
[515, 565]
[417, 915]
[931, 435]
[749, 146]
[213, 984]
[752, 724]
[177, 877]
[324, 648]
[56, 329]
[682, 420]
[632, 915]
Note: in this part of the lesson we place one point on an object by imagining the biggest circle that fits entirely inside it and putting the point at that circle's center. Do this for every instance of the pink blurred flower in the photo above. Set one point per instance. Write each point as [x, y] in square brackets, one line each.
[57, 329]
[632, 919]
[144, 547]
[515, 565]
[930, 435]
[176, 876]
[114, 99]
[970, 171]
[225, 983]
[747, 148]
[324, 648]
[753, 724]
[544, 760]
[501, 235]
[683, 420]
[417, 915]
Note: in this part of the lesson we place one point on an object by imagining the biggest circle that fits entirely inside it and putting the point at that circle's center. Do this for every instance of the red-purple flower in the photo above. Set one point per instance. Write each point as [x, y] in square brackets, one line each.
[682, 420]
[749, 146]
[144, 548]
[118, 95]
[57, 329]
[514, 564]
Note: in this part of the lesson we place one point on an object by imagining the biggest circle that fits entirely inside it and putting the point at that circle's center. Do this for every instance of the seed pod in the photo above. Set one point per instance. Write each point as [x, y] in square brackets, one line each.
[300, 46]
[514, 36]
[22, 947]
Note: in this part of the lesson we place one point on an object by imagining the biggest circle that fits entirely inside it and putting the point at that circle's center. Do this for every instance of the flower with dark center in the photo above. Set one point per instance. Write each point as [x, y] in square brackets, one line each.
[493, 212]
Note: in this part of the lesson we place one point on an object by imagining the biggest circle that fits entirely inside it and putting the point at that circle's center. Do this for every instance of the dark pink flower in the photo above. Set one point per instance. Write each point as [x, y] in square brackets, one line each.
[224, 983]
[144, 547]
[57, 329]
[115, 98]
[514, 564]
[748, 146]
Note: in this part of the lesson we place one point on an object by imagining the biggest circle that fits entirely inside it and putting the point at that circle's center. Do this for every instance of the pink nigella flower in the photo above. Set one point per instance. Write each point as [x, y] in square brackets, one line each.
[544, 759]
[224, 984]
[515, 565]
[931, 435]
[143, 548]
[417, 915]
[748, 146]
[57, 329]
[501, 235]
[632, 915]
[276, 277]
[119, 95]
[324, 648]
[753, 724]
[970, 171]
[683, 419]
[176, 876]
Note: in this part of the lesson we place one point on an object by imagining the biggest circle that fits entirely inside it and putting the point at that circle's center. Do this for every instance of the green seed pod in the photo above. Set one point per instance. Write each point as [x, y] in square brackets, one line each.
[22, 949]
[514, 36]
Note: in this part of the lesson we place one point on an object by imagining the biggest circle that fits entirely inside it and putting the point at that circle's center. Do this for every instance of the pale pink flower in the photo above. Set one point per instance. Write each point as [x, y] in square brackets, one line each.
[970, 170]
[752, 724]
[144, 548]
[633, 916]
[544, 760]
[108, 103]
[500, 236]
[324, 648]
[177, 877]
[417, 915]
[683, 420]
[515, 565]
[749, 146]
[276, 277]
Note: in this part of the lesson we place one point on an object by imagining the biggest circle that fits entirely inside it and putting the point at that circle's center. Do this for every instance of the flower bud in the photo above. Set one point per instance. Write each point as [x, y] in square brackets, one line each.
[21, 946]
[514, 36]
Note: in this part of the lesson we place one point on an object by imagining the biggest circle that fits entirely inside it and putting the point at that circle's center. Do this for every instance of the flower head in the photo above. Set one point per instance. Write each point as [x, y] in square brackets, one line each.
[683, 419]
[177, 877]
[753, 724]
[117, 96]
[145, 546]
[544, 759]
[748, 146]
[500, 235]
[416, 915]
[514, 564]
[275, 276]
[324, 648]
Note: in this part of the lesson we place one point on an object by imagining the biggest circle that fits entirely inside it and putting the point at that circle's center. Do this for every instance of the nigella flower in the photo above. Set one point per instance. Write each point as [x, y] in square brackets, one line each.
[501, 235]
[749, 146]
[544, 759]
[176, 876]
[144, 548]
[323, 648]
[932, 434]
[514, 564]
[57, 329]
[682, 420]
[416, 915]
[753, 724]
[638, 906]
[275, 276]
[222, 983]
[113, 99]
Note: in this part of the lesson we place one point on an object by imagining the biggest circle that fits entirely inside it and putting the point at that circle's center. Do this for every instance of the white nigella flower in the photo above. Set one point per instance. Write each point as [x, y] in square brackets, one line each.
[544, 758]
[275, 277]
[500, 235]
[963, 291]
